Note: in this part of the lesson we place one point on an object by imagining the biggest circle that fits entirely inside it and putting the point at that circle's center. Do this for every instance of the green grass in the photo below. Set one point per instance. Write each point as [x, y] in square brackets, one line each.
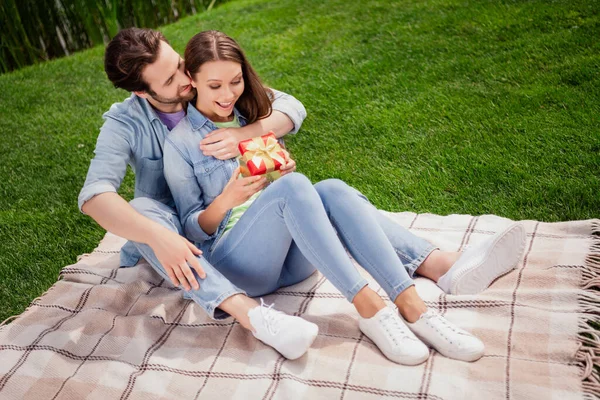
[441, 106]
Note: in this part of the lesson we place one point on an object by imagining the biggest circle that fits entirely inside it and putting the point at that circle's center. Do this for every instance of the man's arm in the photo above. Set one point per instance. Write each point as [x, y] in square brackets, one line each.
[287, 117]
[117, 216]
[99, 199]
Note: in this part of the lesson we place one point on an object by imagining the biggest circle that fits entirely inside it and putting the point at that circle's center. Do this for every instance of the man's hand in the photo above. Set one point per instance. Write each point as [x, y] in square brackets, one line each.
[221, 143]
[177, 254]
[289, 166]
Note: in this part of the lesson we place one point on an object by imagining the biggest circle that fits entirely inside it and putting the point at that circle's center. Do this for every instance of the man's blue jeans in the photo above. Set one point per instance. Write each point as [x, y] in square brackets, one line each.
[214, 289]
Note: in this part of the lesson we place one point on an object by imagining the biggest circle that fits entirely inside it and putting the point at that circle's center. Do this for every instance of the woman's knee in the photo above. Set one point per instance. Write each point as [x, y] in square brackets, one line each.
[332, 188]
[295, 183]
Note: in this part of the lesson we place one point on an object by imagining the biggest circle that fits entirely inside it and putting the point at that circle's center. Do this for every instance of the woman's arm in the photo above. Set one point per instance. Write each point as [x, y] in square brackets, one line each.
[179, 173]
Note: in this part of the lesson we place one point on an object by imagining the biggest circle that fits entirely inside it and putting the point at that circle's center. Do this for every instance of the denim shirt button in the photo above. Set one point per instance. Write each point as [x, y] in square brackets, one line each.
[206, 169]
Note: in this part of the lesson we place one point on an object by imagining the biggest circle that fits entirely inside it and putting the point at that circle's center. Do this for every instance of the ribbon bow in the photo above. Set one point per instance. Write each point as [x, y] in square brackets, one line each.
[259, 150]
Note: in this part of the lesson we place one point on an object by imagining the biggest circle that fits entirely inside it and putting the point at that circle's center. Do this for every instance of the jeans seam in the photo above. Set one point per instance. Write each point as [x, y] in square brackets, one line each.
[356, 288]
[249, 225]
[210, 306]
[372, 265]
[400, 288]
[416, 262]
[293, 221]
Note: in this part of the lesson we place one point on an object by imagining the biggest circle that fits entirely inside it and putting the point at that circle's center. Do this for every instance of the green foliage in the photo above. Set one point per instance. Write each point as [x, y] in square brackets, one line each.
[34, 30]
[443, 106]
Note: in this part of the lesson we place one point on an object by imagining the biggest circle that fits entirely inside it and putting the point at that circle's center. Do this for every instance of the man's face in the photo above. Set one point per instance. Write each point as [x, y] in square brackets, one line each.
[167, 79]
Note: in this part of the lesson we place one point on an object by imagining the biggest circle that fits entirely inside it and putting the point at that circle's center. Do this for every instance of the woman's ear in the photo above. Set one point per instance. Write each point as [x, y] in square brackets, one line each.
[191, 79]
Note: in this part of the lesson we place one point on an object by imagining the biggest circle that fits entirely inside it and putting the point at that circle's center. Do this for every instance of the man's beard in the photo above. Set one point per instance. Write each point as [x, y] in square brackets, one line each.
[173, 100]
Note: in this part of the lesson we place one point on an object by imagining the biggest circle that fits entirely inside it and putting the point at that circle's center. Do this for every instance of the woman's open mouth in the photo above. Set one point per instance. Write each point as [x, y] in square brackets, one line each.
[225, 106]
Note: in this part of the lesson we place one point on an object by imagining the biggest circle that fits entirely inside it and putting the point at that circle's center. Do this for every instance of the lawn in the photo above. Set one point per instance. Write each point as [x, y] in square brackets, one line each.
[441, 106]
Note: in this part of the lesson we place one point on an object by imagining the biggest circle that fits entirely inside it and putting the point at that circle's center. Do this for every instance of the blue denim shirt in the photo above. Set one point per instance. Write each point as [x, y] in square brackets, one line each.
[132, 134]
[195, 179]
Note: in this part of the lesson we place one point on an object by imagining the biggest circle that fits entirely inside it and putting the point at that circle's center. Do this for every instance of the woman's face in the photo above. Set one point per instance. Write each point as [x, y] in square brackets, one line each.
[219, 85]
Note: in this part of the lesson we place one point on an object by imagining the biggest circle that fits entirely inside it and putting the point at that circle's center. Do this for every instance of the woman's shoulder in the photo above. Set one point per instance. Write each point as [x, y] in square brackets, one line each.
[180, 136]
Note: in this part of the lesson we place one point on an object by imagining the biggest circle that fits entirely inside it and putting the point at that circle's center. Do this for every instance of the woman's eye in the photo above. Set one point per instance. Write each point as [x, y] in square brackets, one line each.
[237, 82]
[214, 87]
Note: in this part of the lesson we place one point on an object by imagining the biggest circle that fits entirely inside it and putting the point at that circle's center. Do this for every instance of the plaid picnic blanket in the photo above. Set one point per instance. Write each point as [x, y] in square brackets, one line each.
[102, 332]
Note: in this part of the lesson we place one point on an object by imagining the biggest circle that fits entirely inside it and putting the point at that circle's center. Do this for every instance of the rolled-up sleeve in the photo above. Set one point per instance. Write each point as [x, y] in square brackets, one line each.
[108, 167]
[186, 192]
[291, 107]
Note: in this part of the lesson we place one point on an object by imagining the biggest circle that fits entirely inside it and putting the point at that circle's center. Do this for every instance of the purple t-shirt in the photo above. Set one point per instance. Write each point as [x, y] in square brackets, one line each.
[171, 119]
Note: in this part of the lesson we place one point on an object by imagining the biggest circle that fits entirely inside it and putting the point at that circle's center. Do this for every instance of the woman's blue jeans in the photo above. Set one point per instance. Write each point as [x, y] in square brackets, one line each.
[294, 227]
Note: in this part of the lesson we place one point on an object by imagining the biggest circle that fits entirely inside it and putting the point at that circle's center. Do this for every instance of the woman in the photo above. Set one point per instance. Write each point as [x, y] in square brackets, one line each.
[264, 237]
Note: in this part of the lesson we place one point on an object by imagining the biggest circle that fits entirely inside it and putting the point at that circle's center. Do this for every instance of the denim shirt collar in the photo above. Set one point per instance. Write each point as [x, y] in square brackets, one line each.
[198, 120]
[146, 108]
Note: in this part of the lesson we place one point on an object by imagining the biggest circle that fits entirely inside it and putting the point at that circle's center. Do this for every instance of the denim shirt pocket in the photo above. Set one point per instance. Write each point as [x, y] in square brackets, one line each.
[151, 178]
[211, 176]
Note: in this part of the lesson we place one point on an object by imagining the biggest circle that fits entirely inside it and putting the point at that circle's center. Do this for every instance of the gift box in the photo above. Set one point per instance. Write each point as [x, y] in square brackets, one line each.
[262, 156]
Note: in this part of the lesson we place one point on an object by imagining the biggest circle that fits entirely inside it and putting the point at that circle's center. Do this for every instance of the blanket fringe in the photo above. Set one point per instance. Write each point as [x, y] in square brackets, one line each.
[588, 354]
[33, 302]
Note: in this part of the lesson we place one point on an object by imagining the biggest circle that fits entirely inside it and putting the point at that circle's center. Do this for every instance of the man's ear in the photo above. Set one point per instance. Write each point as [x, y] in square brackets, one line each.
[143, 95]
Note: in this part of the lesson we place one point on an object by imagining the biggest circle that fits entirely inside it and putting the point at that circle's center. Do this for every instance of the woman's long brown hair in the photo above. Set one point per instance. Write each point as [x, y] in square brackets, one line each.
[255, 101]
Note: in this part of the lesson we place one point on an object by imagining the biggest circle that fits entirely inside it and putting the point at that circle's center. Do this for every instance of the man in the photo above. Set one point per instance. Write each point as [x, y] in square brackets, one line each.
[142, 62]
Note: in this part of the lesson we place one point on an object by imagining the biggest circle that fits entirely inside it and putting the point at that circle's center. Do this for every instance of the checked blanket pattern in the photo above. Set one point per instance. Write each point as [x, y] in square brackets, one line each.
[104, 332]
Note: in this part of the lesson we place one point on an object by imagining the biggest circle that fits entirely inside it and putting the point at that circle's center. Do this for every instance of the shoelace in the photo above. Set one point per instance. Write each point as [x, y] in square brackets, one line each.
[435, 320]
[271, 317]
[393, 325]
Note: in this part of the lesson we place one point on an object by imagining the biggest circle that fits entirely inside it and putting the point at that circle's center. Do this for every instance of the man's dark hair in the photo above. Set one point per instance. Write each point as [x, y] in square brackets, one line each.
[128, 53]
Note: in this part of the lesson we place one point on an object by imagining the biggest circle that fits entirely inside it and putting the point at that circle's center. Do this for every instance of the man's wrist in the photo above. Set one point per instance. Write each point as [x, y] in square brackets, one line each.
[154, 234]
[248, 132]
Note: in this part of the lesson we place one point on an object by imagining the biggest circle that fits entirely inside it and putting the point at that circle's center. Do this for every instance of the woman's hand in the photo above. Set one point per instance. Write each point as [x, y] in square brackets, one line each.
[289, 166]
[221, 143]
[238, 191]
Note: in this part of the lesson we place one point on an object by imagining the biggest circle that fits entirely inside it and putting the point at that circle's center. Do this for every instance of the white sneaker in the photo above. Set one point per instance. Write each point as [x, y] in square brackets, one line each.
[389, 333]
[448, 339]
[480, 265]
[289, 335]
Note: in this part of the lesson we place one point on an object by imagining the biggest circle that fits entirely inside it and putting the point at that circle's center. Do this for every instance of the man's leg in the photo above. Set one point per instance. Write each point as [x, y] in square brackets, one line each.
[217, 294]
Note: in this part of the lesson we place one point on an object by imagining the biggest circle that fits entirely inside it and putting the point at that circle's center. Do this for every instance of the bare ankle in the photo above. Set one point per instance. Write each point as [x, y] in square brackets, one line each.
[367, 302]
[437, 264]
[410, 305]
[238, 306]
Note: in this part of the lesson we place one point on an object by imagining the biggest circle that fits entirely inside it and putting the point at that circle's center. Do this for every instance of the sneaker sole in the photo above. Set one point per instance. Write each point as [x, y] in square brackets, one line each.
[468, 357]
[500, 260]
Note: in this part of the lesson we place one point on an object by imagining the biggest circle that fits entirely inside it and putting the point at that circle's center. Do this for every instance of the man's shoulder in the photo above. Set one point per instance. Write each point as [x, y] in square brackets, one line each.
[130, 108]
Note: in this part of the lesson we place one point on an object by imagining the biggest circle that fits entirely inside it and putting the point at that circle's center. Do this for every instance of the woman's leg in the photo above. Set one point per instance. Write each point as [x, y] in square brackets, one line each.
[253, 252]
[360, 230]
